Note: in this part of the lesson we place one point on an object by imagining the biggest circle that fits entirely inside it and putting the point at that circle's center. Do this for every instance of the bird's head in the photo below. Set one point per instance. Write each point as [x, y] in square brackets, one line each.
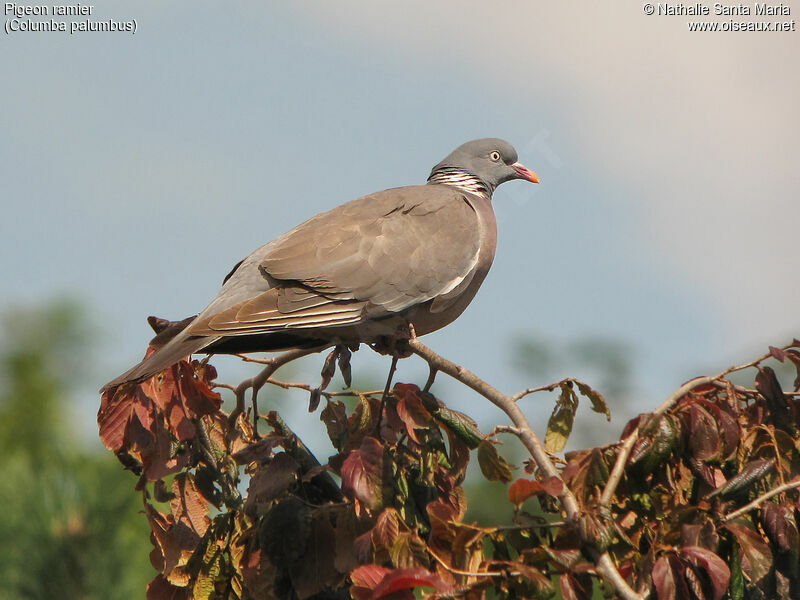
[493, 161]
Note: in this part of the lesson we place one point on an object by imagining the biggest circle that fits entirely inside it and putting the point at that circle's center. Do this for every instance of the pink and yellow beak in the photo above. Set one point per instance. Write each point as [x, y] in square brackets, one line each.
[525, 173]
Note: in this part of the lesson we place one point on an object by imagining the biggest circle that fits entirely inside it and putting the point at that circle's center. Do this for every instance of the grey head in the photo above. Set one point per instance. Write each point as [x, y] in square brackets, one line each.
[480, 166]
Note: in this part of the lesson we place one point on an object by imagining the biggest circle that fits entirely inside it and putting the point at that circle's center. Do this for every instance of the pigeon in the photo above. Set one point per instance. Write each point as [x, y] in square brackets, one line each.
[404, 257]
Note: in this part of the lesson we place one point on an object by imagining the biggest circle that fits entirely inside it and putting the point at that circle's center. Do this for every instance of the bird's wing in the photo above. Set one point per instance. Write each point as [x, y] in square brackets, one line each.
[377, 255]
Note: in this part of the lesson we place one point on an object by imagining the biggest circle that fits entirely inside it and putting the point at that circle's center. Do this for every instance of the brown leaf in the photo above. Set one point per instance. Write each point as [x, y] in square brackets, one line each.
[767, 383]
[313, 401]
[781, 526]
[328, 369]
[284, 532]
[346, 532]
[161, 589]
[598, 402]
[189, 503]
[270, 482]
[344, 366]
[315, 571]
[493, 466]
[334, 415]
[704, 438]
[362, 473]
[755, 553]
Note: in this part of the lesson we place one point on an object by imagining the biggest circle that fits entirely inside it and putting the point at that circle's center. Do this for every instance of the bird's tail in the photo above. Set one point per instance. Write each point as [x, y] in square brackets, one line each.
[173, 351]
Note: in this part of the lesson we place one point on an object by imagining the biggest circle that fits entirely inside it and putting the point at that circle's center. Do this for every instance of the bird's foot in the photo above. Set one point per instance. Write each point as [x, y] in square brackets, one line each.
[396, 345]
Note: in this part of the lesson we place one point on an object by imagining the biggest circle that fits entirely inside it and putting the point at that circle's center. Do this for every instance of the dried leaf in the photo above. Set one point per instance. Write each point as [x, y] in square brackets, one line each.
[560, 424]
[313, 401]
[334, 415]
[328, 369]
[344, 366]
[598, 402]
[493, 466]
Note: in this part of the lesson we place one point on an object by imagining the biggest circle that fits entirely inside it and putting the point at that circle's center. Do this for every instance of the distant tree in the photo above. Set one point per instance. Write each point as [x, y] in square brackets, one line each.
[698, 500]
[69, 524]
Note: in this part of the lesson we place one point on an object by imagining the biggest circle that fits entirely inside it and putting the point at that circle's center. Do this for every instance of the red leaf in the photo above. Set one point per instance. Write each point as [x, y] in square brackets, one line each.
[116, 408]
[718, 572]
[189, 504]
[407, 579]
[386, 529]
[197, 394]
[362, 473]
[667, 582]
[522, 489]
[410, 410]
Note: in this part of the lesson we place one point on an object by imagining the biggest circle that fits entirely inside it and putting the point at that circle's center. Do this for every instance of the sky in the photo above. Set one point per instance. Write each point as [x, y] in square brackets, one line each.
[137, 168]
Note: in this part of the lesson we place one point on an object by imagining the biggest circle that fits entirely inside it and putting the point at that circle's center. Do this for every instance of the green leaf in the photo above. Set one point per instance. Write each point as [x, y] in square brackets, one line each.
[461, 425]
[736, 585]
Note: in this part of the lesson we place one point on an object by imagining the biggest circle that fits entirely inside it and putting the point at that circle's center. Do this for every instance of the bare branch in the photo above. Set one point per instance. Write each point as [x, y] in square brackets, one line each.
[789, 485]
[257, 382]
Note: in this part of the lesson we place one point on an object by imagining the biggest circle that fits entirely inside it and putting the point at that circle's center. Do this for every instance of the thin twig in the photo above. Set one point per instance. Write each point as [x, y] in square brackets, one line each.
[442, 562]
[257, 382]
[604, 562]
[789, 485]
[544, 388]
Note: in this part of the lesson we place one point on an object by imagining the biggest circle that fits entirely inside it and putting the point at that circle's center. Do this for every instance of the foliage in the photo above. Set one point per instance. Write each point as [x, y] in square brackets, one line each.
[70, 526]
[698, 501]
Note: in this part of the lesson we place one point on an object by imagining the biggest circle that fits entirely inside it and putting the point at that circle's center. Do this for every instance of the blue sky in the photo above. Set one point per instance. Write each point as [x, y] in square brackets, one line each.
[138, 169]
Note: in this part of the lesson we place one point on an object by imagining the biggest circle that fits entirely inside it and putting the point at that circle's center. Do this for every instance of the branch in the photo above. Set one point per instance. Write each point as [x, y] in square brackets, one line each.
[627, 444]
[534, 446]
[257, 382]
[789, 485]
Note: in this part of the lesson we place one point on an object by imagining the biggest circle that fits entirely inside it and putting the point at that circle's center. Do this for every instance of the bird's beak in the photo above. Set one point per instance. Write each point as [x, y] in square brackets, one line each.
[525, 173]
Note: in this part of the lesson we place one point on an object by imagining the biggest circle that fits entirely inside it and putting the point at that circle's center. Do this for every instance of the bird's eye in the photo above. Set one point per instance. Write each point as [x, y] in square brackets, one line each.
[495, 156]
